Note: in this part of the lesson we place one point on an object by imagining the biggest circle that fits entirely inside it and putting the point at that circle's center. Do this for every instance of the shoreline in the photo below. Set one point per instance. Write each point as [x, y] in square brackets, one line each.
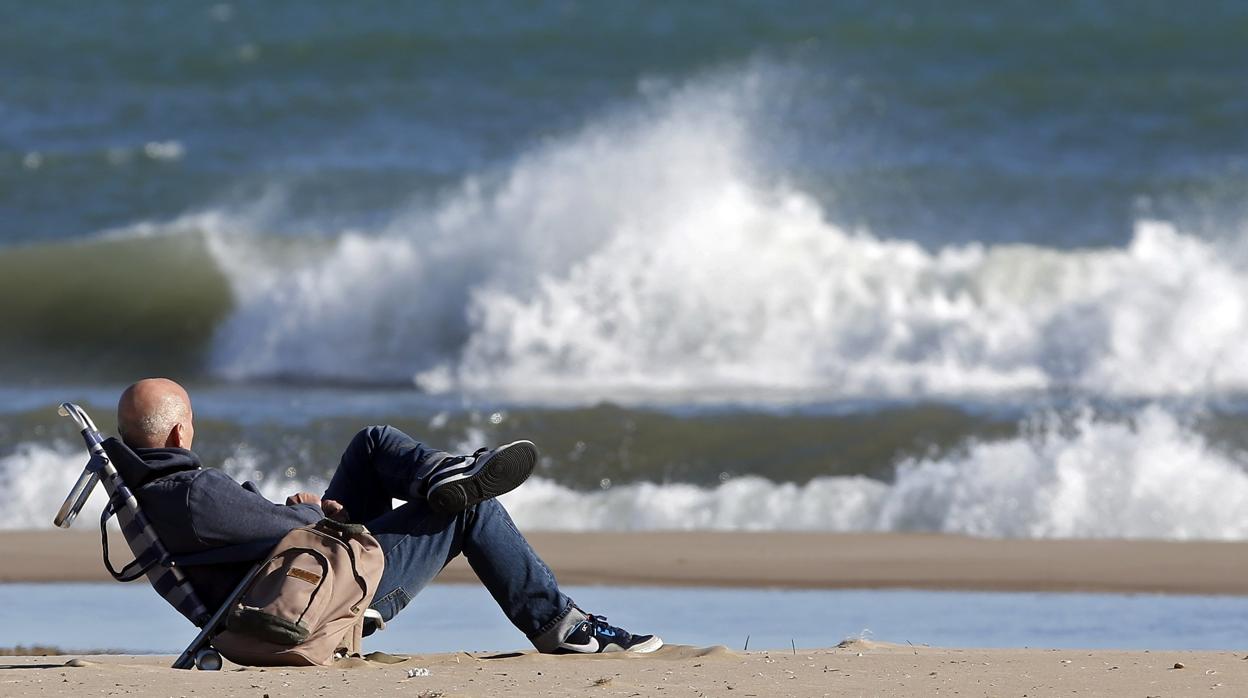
[780, 560]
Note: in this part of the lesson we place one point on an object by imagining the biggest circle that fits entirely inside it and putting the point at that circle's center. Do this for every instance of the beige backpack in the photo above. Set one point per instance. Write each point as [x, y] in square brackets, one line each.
[307, 601]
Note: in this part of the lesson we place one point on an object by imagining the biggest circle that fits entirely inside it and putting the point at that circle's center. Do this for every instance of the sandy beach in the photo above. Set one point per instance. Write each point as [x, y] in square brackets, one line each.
[858, 667]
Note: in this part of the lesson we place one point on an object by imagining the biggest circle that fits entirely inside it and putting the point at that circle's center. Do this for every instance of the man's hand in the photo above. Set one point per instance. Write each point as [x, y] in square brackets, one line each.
[331, 509]
[304, 498]
[335, 511]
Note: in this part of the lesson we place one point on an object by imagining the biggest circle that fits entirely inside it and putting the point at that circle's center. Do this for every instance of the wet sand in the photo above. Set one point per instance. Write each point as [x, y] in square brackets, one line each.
[791, 560]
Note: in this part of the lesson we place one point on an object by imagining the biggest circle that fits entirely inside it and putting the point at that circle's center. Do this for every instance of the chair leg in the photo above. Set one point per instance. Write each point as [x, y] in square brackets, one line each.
[186, 660]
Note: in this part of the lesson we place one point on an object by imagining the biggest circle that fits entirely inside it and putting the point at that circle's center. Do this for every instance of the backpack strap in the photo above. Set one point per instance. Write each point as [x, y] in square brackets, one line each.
[343, 531]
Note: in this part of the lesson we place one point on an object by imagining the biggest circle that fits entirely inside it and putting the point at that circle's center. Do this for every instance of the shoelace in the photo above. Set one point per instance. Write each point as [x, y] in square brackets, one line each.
[453, 461]
[456, 460]
[602, 627]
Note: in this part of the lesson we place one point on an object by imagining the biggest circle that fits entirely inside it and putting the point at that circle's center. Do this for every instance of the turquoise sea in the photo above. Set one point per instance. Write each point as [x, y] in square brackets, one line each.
[963, 267]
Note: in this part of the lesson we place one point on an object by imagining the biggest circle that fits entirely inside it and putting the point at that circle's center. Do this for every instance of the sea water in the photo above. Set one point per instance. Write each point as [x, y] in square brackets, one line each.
[768, 266]
[448, 618]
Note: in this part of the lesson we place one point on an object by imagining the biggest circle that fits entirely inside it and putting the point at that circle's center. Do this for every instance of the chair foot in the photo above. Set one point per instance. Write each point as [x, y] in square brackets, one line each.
[208, 660]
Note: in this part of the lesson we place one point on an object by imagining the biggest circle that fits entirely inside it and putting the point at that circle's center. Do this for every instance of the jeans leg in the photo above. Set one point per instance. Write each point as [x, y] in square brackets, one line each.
[520, 582]
[381, 463]
[419, 542]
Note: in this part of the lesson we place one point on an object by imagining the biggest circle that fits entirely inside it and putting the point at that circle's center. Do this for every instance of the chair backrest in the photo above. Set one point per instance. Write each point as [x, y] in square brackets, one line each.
[167, 580]
[151, 558]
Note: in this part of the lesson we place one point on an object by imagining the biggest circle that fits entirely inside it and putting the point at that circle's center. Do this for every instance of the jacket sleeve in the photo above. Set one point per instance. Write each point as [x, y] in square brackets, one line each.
[223, 512]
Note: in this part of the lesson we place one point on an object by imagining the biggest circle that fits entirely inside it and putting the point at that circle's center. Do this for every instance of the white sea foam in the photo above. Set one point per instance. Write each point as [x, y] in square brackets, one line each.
[1147, 476]
[644, 254]
[36, 478]
[744, 504]
[850, 315]
[164, 150]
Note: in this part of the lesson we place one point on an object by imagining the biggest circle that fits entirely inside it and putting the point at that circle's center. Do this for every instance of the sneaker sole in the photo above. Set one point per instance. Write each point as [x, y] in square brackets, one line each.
[498, 473]
[646, 647]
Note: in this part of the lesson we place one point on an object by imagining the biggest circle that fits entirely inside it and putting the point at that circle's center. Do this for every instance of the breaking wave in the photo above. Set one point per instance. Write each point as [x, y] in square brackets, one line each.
[647, 252]
[1146, 476]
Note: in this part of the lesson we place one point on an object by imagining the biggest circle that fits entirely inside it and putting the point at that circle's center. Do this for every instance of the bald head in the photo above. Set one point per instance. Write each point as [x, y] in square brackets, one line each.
[154, 413]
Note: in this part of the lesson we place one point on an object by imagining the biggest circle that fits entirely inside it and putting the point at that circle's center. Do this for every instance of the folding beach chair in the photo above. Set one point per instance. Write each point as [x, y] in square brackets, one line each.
[151, 558]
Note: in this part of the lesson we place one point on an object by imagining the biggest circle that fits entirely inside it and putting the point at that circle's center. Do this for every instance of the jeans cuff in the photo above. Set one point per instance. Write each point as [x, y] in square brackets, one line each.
[548, 638]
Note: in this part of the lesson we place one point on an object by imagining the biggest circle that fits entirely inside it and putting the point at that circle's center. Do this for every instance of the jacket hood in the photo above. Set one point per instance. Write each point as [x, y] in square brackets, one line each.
[140, 466]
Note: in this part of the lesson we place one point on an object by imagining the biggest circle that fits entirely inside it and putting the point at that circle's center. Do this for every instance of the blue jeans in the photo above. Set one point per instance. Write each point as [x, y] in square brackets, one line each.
[382, 463]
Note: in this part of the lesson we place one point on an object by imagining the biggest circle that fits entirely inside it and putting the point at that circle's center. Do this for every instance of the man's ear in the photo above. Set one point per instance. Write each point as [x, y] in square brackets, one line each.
[177, 437]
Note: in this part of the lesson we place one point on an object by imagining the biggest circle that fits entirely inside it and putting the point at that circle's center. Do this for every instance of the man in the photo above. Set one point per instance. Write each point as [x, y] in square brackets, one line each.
[450, 509]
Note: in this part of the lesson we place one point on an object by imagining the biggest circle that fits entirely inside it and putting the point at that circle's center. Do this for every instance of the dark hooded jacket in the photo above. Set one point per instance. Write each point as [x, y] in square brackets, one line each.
[195, 509]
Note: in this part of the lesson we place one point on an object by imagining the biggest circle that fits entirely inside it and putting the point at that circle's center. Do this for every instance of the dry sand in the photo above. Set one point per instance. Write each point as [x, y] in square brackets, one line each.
[857, 669]
[722, 559]
[795, 560]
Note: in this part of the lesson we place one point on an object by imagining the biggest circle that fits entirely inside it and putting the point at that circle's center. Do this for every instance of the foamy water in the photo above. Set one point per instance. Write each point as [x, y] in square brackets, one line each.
[1146, 476]
[815, 287]
[652, 254]
[652, 251]
[641, 254]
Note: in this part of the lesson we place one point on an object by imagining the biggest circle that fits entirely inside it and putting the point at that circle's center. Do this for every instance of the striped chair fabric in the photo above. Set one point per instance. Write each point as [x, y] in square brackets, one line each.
[149, 553]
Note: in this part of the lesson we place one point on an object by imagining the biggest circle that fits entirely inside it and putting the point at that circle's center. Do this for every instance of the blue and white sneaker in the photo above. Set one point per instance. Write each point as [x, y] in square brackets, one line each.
[462, 481]
[594, 635]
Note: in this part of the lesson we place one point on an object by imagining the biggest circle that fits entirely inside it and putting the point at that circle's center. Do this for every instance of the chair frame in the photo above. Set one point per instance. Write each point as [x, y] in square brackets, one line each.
[152, 558]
